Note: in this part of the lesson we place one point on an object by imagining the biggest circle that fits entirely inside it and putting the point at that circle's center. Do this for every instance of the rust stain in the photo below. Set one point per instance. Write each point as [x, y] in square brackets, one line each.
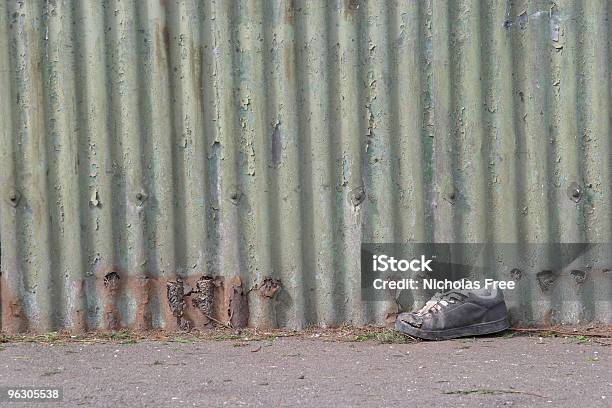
[289, 63]
[263, 300]
[391, 315]
[268, 287]
[79, 319]
[196, 64]
[290, 12]
[207, 301]
[351, 8]
[204, 296]
[114, 283]
[196, 301]
[164, 37]
[162, 47]
[140, 288]
[177, 303]
[236, 303]
[548, 317]
[12, 318]
[111, 288]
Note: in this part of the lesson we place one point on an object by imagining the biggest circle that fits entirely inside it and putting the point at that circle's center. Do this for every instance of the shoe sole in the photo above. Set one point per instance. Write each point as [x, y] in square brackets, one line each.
[468, 331]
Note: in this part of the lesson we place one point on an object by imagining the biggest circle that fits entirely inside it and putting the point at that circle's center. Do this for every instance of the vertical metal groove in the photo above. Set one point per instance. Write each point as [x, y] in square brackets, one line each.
[63, 168]
[11, 284]
[33, 184]
[444, 184]
[159, 172]
[595, 131]
[350, 131]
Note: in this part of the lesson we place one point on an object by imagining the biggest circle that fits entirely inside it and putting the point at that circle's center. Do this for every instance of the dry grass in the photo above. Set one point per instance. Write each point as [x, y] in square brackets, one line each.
[342, 333]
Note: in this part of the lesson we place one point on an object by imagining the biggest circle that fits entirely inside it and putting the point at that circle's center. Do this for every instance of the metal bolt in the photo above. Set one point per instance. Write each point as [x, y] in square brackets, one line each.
[358, 195]
[141, 196]
[575, 192]
[14, 196]
[234, 197]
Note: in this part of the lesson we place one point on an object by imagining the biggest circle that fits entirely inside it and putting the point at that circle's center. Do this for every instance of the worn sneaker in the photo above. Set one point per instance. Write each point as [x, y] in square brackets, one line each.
[456, 313]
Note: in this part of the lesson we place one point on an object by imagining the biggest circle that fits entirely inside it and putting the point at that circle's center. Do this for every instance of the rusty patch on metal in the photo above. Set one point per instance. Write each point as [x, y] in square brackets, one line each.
[516, 274]
[112, 280]
[176, 301]
[546, 279]
[578, 275]
[176, 293]
[112, 286]
[141, 288]
[12, 318]
[391, 314]
[203, 298]
[548, 317]
[236, 303]
[268, 287]
[115, 283]
[210, 302]
[261, 298]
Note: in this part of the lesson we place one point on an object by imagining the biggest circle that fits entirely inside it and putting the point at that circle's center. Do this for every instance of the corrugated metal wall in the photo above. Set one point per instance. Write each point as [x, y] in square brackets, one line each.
[146, 144]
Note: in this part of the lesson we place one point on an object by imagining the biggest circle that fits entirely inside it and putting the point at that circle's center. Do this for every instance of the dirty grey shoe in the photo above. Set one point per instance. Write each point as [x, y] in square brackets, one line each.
[456, 314]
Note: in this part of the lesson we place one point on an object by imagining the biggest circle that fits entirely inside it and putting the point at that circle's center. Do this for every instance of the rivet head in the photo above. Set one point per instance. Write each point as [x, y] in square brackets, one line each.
[14, 196]
[575, 192]
[358, 194]
[141, 195]
[234, 196]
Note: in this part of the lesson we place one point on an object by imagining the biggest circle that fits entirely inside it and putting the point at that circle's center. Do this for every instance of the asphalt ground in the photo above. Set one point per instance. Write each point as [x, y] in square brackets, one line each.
[314, 371]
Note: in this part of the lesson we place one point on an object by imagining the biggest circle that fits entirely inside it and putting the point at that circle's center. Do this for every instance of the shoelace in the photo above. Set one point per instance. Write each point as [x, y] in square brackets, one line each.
[440, 300]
